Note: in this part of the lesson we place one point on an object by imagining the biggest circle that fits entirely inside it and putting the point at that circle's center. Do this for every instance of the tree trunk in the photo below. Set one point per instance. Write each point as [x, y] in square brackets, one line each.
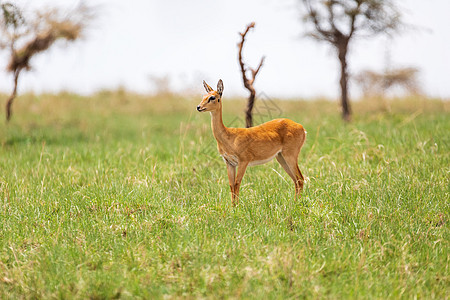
[249, 112]
[346, 111]
[12, 97]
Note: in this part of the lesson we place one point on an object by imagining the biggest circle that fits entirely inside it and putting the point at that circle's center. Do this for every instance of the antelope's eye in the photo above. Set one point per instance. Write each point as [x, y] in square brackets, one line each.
[211, 98]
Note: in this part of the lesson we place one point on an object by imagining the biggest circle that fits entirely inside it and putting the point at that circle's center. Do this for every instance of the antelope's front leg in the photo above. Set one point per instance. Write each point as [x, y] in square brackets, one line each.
[240, 174]
[231, 170]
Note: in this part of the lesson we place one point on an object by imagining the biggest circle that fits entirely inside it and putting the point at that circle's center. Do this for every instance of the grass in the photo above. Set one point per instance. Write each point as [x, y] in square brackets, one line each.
[124, 196]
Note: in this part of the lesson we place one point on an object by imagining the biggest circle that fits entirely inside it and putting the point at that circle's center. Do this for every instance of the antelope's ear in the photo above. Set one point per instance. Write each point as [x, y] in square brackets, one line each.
[220, 87]
[207, 87]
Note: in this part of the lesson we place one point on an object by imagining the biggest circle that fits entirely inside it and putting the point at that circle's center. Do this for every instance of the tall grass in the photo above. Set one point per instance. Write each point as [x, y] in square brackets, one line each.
[123, 195]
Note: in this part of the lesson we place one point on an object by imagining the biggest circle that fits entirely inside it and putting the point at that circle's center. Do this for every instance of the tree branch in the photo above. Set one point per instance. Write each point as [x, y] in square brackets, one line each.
[354, 15]
[241, 62]
[248, 83]
[255, 72]
[322, 33]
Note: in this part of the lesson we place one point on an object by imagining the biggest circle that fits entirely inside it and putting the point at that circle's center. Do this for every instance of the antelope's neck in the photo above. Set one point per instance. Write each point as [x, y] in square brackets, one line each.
[219, 130]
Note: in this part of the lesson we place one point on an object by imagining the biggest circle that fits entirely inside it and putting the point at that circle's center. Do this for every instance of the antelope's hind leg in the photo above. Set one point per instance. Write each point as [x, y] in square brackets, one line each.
[301, 178]
[285, 166]
[291, 167]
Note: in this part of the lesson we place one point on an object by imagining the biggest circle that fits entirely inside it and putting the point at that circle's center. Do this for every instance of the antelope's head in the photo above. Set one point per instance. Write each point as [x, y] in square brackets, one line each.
[213, 99]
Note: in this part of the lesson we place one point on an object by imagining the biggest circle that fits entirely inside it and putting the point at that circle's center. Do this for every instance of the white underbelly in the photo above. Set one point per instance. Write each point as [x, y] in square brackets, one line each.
[263, 161]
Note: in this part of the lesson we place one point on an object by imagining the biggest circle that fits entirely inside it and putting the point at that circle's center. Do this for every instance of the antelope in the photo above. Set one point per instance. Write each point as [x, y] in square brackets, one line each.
[242, 147]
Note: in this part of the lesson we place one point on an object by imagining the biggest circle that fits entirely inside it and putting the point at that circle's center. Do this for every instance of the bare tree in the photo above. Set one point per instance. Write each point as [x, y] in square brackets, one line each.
[12, 25]
[248, 83]
[26, 38]
[337, 22]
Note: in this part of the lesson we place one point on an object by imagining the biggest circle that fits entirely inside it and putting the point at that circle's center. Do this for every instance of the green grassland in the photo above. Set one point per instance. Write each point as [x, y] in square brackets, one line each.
[125, 196]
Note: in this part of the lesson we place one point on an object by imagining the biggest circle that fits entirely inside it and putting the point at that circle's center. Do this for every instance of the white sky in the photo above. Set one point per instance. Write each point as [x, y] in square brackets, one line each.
[193, 40]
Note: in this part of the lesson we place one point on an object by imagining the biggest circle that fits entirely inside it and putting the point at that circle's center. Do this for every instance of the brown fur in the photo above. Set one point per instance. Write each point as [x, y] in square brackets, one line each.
[240, 147]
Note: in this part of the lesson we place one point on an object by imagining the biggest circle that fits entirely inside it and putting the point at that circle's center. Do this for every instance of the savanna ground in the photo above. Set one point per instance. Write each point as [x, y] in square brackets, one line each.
[120, 195]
